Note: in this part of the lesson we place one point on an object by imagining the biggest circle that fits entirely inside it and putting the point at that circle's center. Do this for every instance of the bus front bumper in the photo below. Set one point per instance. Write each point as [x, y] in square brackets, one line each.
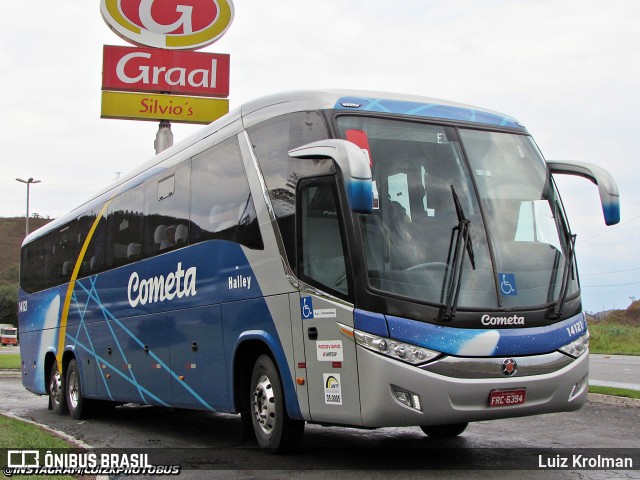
[458, 391]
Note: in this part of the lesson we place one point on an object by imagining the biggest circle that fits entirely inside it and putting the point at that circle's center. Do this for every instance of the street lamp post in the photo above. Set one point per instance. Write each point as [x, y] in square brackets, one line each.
[28, 182]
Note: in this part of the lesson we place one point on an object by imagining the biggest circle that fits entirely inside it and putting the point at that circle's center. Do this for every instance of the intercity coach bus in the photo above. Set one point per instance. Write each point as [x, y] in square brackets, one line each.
[343, 258]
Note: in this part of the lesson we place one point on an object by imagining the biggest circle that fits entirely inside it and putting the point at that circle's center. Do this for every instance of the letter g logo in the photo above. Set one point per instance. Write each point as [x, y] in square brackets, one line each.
[169, 24]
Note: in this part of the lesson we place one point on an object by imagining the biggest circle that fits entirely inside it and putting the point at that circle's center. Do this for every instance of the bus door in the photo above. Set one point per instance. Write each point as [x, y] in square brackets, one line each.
[330, 357]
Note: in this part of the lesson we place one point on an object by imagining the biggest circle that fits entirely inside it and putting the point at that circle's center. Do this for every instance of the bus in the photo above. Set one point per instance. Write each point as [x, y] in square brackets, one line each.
[8, 336]
[335, 257]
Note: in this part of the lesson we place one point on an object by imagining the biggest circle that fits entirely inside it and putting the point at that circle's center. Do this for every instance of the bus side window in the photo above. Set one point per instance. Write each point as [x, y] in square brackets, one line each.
[124, 228]
[221, 203]
[272, 140]
[94, 260]
[321, 252]
[166, 210]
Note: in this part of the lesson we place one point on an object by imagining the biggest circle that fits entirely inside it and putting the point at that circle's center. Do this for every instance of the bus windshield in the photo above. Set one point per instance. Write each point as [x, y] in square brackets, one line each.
[435, 184]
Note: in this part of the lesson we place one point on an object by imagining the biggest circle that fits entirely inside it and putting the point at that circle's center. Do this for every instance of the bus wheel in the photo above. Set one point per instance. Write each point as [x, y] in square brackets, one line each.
[275, 431]
[76, 403]
[445, 431]
[57, 397]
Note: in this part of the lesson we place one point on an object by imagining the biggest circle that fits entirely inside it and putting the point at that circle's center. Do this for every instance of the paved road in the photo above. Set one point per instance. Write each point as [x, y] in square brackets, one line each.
[213, 441]
[621, 371]
[9, 349]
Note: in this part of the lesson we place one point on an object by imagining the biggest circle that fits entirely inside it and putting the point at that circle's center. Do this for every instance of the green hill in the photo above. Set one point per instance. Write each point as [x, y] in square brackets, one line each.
[11, 237]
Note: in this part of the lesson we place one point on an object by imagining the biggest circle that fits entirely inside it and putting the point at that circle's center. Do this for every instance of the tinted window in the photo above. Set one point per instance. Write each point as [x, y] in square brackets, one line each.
[124, 228]
[35, 265]
[272, 141]
[221, 203]
[94, 258]
[49, 260]
[166, 209]
[322, 255]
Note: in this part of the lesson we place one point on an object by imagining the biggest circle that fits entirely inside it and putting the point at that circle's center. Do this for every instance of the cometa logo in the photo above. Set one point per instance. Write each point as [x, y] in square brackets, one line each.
[493, 321]
[179, 284]
[170, 24]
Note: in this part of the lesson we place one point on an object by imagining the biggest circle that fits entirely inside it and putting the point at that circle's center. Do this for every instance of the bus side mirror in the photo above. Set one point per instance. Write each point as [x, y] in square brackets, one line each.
[609, 195]
[352, 161]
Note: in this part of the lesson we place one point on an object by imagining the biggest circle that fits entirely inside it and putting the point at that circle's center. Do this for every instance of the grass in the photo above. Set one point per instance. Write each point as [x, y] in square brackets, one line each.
[9, 360]
[614, 339]
[618, 392]
[15, 434]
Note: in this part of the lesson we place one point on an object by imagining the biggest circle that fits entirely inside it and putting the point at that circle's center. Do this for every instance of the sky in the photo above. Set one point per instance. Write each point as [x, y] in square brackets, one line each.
[567, 69]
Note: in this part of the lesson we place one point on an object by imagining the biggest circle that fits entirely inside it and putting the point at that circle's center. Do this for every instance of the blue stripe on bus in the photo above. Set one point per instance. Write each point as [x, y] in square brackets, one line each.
[95, 300]
[487, 342]
[429, 110]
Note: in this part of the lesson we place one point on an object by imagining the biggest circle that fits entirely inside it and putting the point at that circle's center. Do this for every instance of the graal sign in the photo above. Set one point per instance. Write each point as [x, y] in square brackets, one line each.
[169, 24]
[155, 70]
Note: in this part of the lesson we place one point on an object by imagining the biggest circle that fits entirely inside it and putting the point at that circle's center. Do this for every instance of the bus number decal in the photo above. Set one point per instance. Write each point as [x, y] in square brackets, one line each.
[575, 328]
[332, 389]
[22, 306]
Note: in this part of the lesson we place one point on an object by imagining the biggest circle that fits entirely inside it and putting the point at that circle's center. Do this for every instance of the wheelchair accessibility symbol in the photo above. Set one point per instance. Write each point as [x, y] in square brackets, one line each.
[306, 308]
[508, 284]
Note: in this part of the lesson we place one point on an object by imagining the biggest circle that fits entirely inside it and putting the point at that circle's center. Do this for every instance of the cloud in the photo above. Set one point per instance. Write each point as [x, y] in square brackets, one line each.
[568, 69]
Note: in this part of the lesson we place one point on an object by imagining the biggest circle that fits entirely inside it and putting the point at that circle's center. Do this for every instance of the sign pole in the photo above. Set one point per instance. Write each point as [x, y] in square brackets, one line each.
[164, 137]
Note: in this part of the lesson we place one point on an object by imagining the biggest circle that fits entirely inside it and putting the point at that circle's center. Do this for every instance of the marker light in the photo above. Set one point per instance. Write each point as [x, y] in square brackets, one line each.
[403, 351]
[408, 399]
[577, 347]
[578, 388]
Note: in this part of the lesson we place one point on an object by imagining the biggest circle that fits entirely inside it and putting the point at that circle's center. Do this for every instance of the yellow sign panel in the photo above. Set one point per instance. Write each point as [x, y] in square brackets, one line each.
[175, 108]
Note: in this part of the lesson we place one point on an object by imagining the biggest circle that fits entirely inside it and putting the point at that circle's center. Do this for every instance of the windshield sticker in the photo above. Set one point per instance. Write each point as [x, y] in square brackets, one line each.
[508, 284]
[329, 351]
[325, 313]
[332, 389]
[308, 313]
[306, 308]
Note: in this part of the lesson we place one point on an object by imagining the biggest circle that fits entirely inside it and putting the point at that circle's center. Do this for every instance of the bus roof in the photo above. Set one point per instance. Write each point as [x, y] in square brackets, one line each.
[263, 108]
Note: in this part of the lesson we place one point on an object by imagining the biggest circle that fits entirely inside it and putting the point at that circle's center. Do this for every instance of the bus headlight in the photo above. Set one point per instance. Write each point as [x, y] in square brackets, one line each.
[577, 347]
[403, 351]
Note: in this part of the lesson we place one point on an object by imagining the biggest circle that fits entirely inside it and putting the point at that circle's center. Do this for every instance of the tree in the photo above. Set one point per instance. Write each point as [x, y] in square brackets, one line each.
[9, 304]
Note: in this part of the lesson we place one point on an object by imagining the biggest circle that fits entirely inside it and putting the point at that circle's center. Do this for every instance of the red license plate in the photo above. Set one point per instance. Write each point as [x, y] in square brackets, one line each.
[506, 398]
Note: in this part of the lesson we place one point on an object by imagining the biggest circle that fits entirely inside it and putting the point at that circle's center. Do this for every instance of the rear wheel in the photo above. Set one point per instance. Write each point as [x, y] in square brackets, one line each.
[77, 404]
[274, 430]
[57, 397]
[445, 431]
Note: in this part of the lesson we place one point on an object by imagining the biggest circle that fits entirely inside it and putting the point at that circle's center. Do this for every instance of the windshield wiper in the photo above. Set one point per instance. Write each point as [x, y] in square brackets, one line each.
[455, 259]
[567, 274]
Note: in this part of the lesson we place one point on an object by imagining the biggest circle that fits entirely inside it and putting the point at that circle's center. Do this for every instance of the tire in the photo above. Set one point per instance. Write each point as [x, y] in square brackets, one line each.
[57, 397]
[78, 406]
[275, 431]
[445, 431]
[248, 433]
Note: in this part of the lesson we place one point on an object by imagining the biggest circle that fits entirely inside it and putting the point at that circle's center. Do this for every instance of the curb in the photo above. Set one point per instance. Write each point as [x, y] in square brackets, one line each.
[10, 373]
[613, 400]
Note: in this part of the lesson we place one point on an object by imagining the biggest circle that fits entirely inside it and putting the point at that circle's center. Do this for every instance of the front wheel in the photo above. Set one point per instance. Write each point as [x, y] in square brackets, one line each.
[444, 431]
[274, 430]
[57, 397]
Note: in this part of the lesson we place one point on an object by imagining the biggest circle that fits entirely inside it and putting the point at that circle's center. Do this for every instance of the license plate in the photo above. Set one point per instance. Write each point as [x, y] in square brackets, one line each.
[506, 398]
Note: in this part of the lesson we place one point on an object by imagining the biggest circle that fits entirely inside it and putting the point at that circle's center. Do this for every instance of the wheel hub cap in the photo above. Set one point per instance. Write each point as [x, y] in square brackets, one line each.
[264, 405]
